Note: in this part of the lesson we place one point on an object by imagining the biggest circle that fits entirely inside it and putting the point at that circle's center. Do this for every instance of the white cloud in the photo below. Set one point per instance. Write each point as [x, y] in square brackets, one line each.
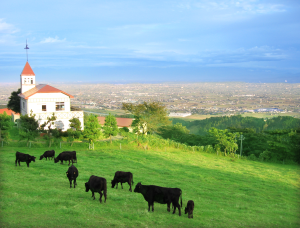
[52, 40]
[6, 28]
[234, 6]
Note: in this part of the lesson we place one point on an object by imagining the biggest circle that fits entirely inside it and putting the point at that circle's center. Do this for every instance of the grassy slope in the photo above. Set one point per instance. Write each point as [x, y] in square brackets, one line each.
[226, 193]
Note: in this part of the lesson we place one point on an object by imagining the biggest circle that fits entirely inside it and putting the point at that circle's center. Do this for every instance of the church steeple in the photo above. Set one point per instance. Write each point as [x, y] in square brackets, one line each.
[27, 76]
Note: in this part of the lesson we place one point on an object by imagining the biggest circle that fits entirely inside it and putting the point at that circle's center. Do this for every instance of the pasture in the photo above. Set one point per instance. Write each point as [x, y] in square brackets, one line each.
[226, 192]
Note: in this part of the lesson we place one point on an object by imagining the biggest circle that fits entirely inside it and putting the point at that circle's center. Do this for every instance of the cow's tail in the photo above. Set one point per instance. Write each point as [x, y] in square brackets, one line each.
[181, 197]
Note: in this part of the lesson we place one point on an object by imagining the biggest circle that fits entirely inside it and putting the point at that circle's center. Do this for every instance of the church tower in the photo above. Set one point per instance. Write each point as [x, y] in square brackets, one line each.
[27, 78]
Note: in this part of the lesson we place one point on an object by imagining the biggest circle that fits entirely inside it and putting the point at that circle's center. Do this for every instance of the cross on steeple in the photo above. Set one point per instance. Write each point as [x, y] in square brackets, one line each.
[26, 49]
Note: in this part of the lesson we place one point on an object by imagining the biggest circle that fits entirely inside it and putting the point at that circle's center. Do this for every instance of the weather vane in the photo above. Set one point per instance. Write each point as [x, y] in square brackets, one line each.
[26, 49]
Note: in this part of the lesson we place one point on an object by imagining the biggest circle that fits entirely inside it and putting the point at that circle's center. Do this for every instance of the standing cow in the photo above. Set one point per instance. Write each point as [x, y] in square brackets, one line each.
[20, 157]
[72, 174]
[161, 195]
[97, 184]
[122, 177]
[48, 154]
[189, 208]
[65, 156]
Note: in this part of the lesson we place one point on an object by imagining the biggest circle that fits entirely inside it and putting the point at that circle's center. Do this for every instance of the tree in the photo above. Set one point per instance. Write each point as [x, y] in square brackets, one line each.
[5, 125]
[29, 128]
[148, 116]
[50, 122]
[14, 101]
[74, 132]
[175, 132]
[110, 126]
[92, 128]
[226, 139]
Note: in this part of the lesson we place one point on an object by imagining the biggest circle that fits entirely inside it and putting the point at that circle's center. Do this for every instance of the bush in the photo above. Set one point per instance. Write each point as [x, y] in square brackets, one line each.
[252, 157]
[265, 156]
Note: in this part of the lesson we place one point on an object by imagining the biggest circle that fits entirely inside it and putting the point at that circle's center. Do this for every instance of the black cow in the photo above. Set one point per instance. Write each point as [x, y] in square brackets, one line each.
[73, 154]
[20, 157]
[161, 195]
[72, 174]
[48, 154]
[122, 177]
[97, 184]
[189, 208]
[65, 156]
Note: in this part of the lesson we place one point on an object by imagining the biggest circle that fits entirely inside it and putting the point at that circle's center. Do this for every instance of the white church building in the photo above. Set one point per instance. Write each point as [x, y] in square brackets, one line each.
[44, 100]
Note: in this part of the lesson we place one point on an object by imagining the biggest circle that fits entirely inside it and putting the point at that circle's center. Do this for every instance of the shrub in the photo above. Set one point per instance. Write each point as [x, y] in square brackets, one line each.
[265, 156]
[252, 157]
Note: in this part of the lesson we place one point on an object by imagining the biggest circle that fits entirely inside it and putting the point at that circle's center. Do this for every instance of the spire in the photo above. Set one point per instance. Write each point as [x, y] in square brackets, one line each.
[26, 49]
[27, 70]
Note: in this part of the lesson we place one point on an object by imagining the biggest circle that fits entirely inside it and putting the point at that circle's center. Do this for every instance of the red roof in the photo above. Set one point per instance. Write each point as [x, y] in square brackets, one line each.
[121, 122]
[27, 70]
[8, 111]
[42, 88]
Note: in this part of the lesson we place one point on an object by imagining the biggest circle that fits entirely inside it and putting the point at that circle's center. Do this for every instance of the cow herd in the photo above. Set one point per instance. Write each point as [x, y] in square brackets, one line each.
[151, 193]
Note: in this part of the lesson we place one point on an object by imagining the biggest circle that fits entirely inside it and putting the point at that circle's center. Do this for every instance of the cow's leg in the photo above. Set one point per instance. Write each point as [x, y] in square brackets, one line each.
[19, 163]
[122, 185]
[175, 205]
[75, 183]
[70, 183]
[100, 196]
[153, 206]
[129, 182]
[69, 162]
[16, 162]
[93, 195]
[149, 206]
[117, 185]
[168, 207]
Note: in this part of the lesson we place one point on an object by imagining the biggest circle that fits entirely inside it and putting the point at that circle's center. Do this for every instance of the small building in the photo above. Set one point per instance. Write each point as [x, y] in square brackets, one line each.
[44, 100]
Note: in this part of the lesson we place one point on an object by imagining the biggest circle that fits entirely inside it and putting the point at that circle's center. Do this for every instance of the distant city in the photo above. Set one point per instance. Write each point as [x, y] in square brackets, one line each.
[183, 99]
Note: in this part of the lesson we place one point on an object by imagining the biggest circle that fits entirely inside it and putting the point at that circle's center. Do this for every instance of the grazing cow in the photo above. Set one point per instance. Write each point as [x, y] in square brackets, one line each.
[189, 208]
[72, 174]
[73, 154]
[97, 184]
[48, 154]
[20, 157]
[122, 177]
[161, 195]
[64, 156]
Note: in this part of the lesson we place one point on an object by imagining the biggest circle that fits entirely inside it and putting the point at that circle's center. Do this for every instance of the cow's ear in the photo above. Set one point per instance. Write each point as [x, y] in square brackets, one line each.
[66, 172]
[74, 172]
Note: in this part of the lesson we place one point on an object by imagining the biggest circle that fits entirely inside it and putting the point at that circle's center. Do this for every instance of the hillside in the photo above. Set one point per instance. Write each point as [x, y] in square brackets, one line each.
[227, 192]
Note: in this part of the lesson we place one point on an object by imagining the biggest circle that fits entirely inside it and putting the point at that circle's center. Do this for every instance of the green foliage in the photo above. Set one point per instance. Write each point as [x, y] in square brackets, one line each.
[5, 126]
[14, 101]
[74, 132]
[92, 128]
[226, 139]
[148, 116]
[265, 156]
[175, 132]
[29, 128]
[110, 126]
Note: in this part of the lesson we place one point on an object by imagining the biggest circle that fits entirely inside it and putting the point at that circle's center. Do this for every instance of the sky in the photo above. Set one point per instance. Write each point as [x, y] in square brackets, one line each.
[151, 41]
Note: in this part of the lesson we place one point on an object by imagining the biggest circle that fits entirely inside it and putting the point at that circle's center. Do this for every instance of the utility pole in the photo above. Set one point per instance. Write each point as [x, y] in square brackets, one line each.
[241, 149]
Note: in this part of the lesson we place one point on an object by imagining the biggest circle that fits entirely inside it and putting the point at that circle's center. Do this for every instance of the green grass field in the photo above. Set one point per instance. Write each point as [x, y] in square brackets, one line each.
[227, 193]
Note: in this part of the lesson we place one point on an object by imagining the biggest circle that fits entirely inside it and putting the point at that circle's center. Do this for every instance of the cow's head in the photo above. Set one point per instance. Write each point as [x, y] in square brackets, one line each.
[42, 156]
[87, 187]
[186, 210]
[32, 158]
[138, 187]
[113, 183]
[71, 174]
[56, 160]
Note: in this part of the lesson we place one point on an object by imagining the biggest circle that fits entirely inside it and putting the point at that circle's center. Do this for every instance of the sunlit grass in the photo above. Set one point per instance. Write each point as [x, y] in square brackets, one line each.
[226, 193]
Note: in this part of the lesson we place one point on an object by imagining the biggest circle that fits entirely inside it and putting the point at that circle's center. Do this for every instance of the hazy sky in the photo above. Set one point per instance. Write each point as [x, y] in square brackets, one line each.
[151, 41]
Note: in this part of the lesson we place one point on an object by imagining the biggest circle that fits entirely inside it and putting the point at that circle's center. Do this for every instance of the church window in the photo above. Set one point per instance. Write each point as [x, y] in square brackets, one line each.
[23, 104]
[31, 81]
[44, 108]
[60, 106]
